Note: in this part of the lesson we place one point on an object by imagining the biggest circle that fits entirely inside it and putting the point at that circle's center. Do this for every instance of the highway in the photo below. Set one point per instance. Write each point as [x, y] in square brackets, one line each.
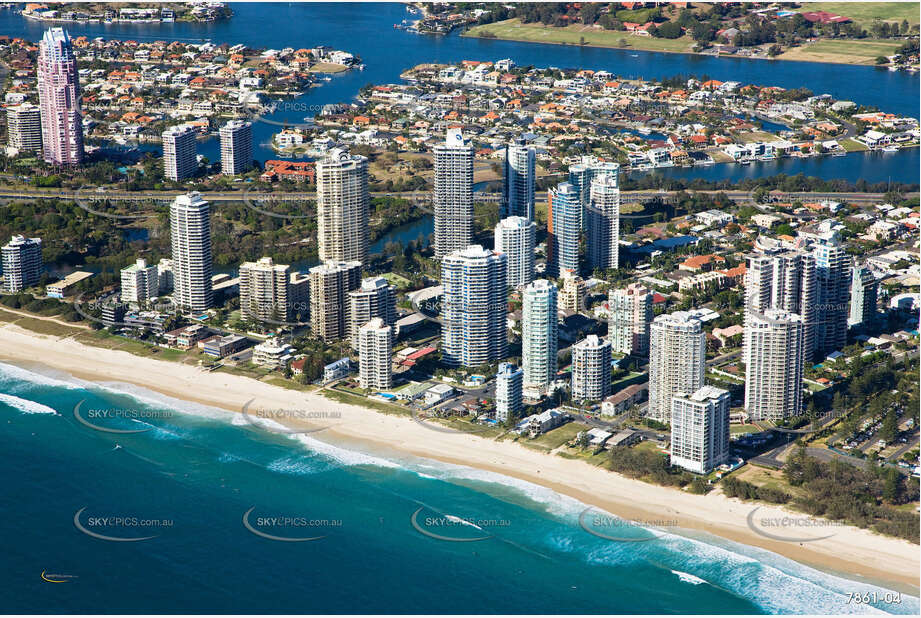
[255, 195]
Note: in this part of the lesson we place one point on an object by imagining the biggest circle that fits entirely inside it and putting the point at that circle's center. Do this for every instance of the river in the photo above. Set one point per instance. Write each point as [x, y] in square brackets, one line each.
[367, 30]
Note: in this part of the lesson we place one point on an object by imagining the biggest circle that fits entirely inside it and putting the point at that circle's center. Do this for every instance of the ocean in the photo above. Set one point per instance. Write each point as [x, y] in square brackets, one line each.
[200, 511]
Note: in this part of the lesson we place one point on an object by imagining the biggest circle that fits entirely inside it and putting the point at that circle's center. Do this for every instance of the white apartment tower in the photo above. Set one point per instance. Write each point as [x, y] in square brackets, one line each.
[591, 369]
[565, 229]
[22, 263]
[539, 337]
[24, 127]
[190, 238]
[832, 274]
[677, 354]
[520, 176]
[264, 291]
[509, 381]
[700, 429]
[375, 347]
[630, 319]
[179, 153]
[784, 280]
[330, 284]
[581, 175]
[774, 365]
[474, 307]
[59, 99]
[453, 194]
[515, 237]
[236, 147]
[376, 298]
[603, 226]
[140, 282]
[342, 207]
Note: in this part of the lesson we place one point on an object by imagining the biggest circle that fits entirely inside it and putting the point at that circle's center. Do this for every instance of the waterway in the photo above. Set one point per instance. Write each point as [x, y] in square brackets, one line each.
[367, 30]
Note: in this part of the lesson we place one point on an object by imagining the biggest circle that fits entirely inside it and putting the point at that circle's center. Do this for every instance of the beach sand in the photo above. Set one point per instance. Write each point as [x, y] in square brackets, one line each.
[850, 552]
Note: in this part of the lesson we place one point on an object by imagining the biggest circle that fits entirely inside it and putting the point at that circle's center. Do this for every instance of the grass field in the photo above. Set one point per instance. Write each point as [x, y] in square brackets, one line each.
[864, 13]
[846, 52]
[513, 29]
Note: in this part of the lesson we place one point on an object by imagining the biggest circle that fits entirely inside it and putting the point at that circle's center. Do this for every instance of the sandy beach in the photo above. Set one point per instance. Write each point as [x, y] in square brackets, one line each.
[849, 552]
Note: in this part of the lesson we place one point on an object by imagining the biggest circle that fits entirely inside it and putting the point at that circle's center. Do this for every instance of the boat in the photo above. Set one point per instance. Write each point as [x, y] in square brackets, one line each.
[745, 161]
[838, 153]
[891, 148]
[644, 130]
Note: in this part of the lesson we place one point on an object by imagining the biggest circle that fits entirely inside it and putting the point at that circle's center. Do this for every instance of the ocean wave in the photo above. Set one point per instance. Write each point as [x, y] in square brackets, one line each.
[27, 378]
[688, 578]
[344, 456]
[26, 405]
[299, 466]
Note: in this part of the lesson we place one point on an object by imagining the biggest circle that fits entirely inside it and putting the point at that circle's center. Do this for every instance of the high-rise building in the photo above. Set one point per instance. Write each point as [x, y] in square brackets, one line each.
[264, 291]
[24, 127]
[509, 382]
[236, 147]
[453, 195]
[580, 177]
[59, 99]
[603, 227]
[832, 274]
[591, 369]
[515, 237]
[864, 293]
[774, 365]
[565, 229]
[572, 292]
[22, 263]
[330, 284]
[539, 337]
[342, 207]
[376, 298]
[784, 280]
[190, 238]
[630, 319]
[140, 282]
[474, 307]
[677, 356]
[700, 429]
[520, 176]
[179, 153]
[375, 348]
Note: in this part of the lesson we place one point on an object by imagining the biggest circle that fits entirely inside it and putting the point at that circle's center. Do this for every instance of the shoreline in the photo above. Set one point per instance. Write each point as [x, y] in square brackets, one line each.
[853, 553]
[668, 51]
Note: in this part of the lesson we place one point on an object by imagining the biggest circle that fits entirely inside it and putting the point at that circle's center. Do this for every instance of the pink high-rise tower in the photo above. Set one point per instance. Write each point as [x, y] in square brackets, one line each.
[59, 98]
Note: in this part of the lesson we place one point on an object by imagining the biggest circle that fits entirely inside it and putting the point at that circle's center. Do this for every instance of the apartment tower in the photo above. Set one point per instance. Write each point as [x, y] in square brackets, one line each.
[190, 238]
[453, 194]
[59, 99]
[342, 207]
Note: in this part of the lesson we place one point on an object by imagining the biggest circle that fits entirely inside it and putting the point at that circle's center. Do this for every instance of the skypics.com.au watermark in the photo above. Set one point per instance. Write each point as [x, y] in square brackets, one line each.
[97, 418]
[287, 528]
[612, 528]
[120, 527]
[455, 529]
[274, 419]
[792, 528]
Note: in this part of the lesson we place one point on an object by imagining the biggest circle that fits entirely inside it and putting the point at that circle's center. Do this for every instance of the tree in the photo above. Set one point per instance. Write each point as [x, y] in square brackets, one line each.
[890, 427]
[881, 60]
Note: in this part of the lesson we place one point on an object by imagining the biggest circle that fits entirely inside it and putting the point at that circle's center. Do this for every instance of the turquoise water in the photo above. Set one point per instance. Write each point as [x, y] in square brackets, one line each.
[198, 470]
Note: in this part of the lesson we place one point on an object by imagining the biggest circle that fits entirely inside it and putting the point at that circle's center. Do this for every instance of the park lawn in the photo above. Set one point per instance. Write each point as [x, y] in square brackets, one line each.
[865, 13]
[843, 51]
[751, 137]
[852, 145]
[328, 67]
[513, 29]
[396, 280]
[734, 429]
[45, 327]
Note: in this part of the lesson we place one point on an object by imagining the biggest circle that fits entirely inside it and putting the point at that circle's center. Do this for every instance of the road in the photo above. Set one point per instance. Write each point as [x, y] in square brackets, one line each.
[237, 196]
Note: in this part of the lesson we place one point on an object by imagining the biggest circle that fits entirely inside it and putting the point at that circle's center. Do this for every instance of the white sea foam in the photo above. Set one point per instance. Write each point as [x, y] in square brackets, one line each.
[9, 373]
[26, 405]
[688, 578]
[344, 456]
